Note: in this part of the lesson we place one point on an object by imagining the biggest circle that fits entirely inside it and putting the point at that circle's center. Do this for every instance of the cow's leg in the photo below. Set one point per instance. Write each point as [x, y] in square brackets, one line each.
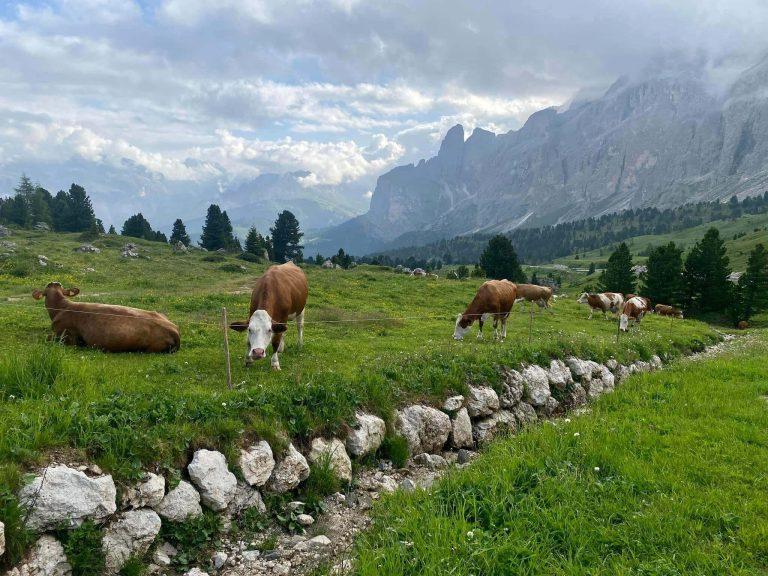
[504, 328]
[480, 328]
[275, 360]
[300, 327]
[591, 311]
[496, 328]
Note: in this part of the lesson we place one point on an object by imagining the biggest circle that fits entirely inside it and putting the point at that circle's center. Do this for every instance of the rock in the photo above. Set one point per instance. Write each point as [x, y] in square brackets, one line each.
[486, 429]
[524, 414]
[465, 456]
[2, 538]
[387, 484]
[65, 496]
[512, 388]
[305, 520]
[4, 232]
[289, 472]
[250, 556]
[367, 435]
[47, 558]
[181, 503]
[407, 485]
[580, 370]
[575, 396]
[622, 372]
[164, 553]
[195, 572]
[424, 428]
[219, 558]
[147, 493]
[641, 366]
[560, 376]
[536, 385]
[551, 406]
[461, 430]
[655, 362]
[318, 542]
[453, 403]
[594, 387]
[208, 471]
[609, 381]
[333, 450]
[257, 463]
[42, 227]
[130, 535]
[245, 498]
[180, 247]
[87, 248]
[612, 364]
[431, 461]
[482, 401]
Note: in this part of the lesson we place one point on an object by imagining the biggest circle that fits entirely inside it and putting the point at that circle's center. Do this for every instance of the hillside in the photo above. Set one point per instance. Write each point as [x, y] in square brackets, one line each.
[659, 141]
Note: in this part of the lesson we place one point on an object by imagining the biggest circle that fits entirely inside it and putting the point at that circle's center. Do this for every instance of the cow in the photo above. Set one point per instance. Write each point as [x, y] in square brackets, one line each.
[643, 298]
[534, 294]
[634, 309]
[494, 299]
[105, 326]
[605, 302]
[279, 294]
[664, 310]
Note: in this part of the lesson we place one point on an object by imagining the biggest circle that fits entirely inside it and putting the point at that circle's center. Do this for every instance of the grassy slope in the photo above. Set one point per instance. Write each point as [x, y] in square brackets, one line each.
[755, 227]
[665, 476]
[126, 411]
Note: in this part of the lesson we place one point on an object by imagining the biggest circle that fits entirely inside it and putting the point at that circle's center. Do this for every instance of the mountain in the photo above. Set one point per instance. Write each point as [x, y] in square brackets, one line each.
[658, 141]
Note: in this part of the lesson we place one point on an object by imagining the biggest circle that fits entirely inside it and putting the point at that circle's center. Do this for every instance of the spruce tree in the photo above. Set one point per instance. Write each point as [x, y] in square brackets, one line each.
[664, 281]
[753, 284]
[112, 229]
[138, 227]
[618, 275]
[286, 238]
[257, 244]
[217, 231]
[40, 206]
[61, 212]
[81, 213]
[591, 269]
[499, 260]
[179, 233]
[705, 275]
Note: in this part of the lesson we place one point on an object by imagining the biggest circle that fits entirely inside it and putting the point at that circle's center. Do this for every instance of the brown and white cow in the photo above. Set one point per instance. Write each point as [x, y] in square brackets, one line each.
[665, 310]
[540, 295]
[105, 326]
[634, 310]
[604, 302]
[494, 299]
[278, 295]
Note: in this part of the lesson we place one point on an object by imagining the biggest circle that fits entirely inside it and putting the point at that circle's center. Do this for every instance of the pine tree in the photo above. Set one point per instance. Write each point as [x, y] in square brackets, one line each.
[138, 227]
[618, 275]
[81, 213]
[591, 269]
[705, 275]
[499, 260]
[753, 284]
[342, 259]
[179, 233]
[257, 244]
[286, 238]
[61, 212]
[664, 281]
[17, 211]
[112, 229]
[40, 206]
[217, 231]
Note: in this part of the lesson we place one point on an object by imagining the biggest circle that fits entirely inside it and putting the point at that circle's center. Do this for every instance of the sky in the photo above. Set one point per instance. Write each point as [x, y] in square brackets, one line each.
[202, 93]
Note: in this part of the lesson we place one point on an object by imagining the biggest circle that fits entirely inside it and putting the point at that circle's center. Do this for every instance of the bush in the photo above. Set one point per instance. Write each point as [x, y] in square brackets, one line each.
[133, 567]
[20, 269]
[232, 267]
[214, 257]
[82, 547]
[249, 257]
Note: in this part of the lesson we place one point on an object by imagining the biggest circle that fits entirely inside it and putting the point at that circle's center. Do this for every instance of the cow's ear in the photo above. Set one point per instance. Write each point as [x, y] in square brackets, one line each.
[278, 327]
[37, 294]
[71, 292]
[239, 326]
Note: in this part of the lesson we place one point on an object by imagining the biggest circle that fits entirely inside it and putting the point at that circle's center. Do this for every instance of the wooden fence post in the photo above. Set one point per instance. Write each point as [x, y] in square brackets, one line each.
[224, 325]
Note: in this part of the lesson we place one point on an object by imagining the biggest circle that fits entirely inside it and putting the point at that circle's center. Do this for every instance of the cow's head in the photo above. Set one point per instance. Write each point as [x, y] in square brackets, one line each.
[261, 331]
[54, 289]
[678, 313]
[583, 299]
[463, 322]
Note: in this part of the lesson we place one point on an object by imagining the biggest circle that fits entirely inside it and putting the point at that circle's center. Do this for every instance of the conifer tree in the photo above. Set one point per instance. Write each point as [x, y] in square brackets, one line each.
[286, 238]
[618, 275]
[705, 275]
[664, 281]
[179, 233]
[217, 231]
[138, 227]
[753, 284]
[499, 260]
[81, 214]
[257, 244]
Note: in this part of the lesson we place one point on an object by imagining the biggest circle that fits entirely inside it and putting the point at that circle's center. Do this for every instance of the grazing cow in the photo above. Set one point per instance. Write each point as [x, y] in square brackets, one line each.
[105, 326]
[279, 295]
[495, 299]
[634, 309]
[664, 310]
[643, 298]
[605, 302]
[534, 294]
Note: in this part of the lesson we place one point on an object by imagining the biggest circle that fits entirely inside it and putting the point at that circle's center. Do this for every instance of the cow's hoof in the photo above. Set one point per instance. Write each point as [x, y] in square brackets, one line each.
[276, 368]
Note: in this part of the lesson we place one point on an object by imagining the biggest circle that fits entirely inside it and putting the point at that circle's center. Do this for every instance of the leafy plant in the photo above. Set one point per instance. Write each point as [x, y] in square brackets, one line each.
[82, 546]
[193, 538]
[17, 537]
[134, 567]
[395, 448]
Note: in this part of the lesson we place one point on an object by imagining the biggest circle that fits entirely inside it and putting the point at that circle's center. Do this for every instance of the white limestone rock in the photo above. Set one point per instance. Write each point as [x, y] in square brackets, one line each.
[246, 497]
[461, 430]
[209, 473]
[2, 538]
[130, 535]
[333, 450]
[482, 401]
[367, 435]
[453, 403]
[47, 558]
[512, 388]
[560, 376]
[289, 472]
[525, 415]
[147, 493]
[426, 429]
[181, 503]
[257, 463]
[536, 385]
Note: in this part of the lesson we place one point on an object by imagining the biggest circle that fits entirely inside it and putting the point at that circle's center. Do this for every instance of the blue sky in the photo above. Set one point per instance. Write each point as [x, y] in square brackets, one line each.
[169, 94]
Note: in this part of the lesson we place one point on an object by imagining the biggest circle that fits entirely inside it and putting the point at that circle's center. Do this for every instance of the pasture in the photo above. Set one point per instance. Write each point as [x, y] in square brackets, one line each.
[373, 339]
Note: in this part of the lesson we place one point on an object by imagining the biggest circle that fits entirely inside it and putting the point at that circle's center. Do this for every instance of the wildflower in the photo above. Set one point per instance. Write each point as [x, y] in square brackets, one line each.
[597, 468]
[470, 534]
[577, 434]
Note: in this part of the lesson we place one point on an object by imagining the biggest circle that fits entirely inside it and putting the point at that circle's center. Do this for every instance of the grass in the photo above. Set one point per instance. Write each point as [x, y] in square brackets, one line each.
[373, 340]
[664, 476]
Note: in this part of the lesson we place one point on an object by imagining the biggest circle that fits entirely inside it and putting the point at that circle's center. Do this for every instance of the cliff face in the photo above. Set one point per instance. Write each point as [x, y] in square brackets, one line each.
[659, 142]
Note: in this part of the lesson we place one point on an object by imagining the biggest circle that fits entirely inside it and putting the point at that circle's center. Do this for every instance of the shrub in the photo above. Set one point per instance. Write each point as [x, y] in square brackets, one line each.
[133, 567]
[232, 267]
[249, 257]
[214, 257]
[82, 547]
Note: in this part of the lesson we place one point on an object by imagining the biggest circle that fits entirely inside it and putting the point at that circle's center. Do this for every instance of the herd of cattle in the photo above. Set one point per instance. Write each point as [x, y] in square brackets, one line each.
[279, 295]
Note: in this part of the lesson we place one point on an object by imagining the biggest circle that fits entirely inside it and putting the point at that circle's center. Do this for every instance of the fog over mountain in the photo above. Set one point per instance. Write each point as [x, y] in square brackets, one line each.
[163, 106]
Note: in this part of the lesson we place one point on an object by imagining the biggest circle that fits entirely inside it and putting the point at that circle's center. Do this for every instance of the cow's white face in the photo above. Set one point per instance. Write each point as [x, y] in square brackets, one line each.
[460, 331]
[583, 298]
[261, 329]
[623, 322]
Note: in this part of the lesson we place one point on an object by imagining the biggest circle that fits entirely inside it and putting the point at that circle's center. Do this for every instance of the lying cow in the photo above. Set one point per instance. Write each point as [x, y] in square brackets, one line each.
[634, 310]
[664, 310]
[605, 302]
[534, 294]
[494, 299]
[279, 295]
[105, 326]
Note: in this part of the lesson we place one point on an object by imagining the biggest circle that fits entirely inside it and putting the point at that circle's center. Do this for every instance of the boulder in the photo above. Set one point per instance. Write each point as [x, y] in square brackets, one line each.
[209, 473]
[130, 535]
[575, 396]
[550, 407]
[65, 496]
[195, 572]
[486, 429]
[47, 558]
[580, 370]
[525, 415]
[42, 227]
[289, 472]
[461, 430]
[147, 493]
[180, 247]
[482, 401]
[622, 372]
[612, 364]
[4, 232]
[337, 456]
[640, 366]
[655, 362]
[245, 498]
[315, 543]
[367, 434]
[536, 385]
[453, 403]
[257, 463]
[512, 388]
[609, 381]
[87, 248]
[594, 387]
[181, 503]
[560, 376]
[426, 429]
[431, 461]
